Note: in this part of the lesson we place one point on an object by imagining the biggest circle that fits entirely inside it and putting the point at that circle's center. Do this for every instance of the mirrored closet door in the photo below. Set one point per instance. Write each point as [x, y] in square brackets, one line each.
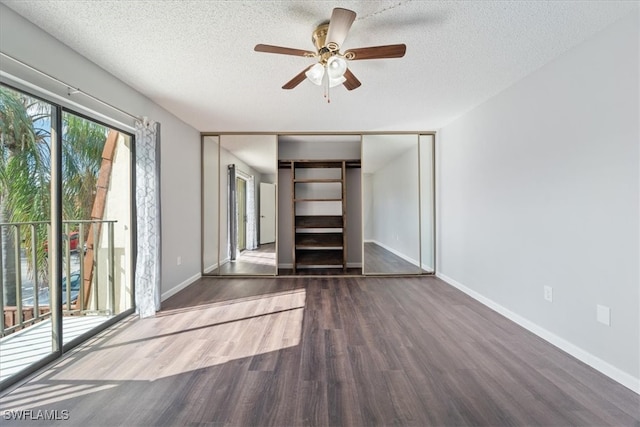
[391, 204]
[247, 205]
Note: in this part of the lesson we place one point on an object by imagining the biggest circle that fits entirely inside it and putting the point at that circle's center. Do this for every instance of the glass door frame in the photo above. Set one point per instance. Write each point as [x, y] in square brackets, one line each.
[55, 257]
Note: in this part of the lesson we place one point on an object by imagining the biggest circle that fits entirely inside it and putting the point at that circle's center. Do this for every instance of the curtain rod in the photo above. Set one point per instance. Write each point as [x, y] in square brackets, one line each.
[71, 89]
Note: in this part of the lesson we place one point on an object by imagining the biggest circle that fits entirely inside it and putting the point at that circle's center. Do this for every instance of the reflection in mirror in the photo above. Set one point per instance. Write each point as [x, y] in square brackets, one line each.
[248, 173]
[390, 204]
[427, 214]
[210, 204]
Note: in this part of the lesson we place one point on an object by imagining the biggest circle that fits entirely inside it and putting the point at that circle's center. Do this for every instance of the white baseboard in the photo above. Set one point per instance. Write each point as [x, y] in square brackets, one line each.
[210, 268]
[395, 252]
[595, 362]
[171, 292]
[427, 268]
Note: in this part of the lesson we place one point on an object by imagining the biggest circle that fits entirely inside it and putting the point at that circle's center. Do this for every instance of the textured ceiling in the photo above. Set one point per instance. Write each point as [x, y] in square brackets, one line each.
[196, 58]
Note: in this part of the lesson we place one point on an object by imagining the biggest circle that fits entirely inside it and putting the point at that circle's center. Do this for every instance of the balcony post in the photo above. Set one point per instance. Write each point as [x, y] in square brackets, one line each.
[17, 245]
[82, 243]
[67, 267]
[112, 270]
[96, 246]
[1, 288]
[34, 262]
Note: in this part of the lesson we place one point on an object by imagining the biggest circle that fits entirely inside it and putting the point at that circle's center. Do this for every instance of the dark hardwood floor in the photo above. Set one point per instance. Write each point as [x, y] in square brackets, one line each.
[320, 272]
[359, 351]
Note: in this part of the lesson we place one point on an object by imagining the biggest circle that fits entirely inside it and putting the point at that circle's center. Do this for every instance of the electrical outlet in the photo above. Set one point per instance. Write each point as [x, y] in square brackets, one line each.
[179, 261]
[548, 293]
[603, 314]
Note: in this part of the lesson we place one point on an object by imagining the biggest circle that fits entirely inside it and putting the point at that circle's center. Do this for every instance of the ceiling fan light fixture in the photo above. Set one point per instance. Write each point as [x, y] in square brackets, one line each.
[336, 67]
[315, 74]
[336, 82]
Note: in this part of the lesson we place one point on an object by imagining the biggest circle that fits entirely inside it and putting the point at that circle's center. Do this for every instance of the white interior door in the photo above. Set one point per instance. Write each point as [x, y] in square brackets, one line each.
[267, 213]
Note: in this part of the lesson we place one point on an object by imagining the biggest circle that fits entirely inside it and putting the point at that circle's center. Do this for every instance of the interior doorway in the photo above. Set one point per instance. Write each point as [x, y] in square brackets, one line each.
[267, 213]
[241, 199]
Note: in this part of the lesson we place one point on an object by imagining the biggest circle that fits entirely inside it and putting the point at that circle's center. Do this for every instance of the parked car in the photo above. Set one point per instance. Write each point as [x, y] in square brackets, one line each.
[73, 238]
[43, 295]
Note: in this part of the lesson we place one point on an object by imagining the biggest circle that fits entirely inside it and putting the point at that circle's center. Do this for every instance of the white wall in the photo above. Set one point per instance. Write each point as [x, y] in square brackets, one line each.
[315, 149]
[540, 186]
[395, 206]
[117, 208]
[180, 149]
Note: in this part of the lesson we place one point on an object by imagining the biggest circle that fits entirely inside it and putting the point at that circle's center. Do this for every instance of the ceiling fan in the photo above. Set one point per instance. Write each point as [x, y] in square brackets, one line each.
[331, 69]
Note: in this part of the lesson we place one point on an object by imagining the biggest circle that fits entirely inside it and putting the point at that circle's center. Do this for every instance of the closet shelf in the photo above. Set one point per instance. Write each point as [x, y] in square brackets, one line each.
[318, 221]
[316, 181]
[317, 200]
[319, 258]
[329, 163]
[319, 241]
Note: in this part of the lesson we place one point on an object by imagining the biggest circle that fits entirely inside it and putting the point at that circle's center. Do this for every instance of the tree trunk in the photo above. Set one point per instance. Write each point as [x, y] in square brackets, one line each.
[8, 260]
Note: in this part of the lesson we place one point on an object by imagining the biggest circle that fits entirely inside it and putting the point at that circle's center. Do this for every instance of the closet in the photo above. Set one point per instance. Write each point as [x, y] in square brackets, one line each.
[345, 203]
[319, 212]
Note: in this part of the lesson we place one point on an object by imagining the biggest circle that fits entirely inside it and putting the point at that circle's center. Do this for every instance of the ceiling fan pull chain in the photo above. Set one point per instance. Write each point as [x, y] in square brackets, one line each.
[325, 86]
[328, 89]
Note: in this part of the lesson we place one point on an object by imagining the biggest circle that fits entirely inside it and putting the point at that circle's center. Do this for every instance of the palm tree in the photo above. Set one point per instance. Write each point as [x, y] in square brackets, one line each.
[25, 173]
[83, 142]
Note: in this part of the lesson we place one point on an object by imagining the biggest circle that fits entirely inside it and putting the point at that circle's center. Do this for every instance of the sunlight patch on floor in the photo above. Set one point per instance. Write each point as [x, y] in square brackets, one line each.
[29, 345]
[184, 340]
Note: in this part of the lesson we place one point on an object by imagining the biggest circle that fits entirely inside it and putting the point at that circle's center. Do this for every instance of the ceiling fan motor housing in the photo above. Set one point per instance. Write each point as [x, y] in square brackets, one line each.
[319, 38]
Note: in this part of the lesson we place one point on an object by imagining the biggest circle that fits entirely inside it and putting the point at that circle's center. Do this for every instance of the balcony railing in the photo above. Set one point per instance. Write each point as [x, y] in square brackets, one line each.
[85, 288]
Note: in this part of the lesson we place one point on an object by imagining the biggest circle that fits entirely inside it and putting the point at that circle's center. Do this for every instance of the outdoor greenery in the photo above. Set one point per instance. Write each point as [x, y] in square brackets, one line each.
[25, 172]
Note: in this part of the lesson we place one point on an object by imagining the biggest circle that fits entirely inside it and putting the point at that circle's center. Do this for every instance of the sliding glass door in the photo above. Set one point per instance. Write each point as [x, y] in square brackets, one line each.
[66, 227]
[25, 228]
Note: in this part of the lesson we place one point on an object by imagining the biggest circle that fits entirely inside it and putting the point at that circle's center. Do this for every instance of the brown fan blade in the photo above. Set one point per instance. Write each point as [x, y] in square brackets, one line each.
[267, 48]
[352, 82]
[297, 79]
[376, 52]
[339, 25]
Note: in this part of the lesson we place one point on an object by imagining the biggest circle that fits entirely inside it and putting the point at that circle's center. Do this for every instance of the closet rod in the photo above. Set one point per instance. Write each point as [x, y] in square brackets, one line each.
[72, 90]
